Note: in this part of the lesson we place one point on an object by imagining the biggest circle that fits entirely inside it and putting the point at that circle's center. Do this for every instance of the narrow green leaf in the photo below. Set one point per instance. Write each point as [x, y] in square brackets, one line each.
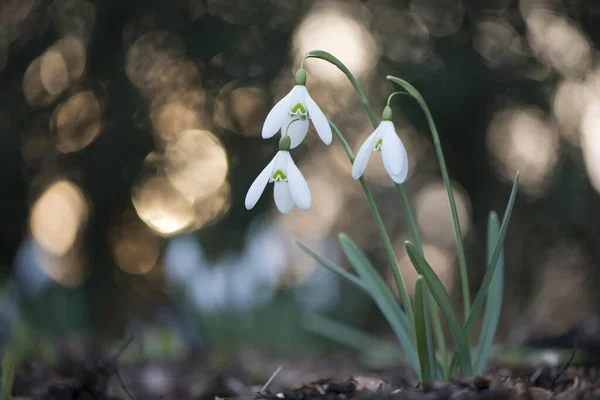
[489, 273]
[491, 268]
[424, 342]
[437, 290]
[352, 337]
[333, 267]
[384, 299]
[493, 303]
[440, 341]
[410, 217]
[462, 261]
[433, 362]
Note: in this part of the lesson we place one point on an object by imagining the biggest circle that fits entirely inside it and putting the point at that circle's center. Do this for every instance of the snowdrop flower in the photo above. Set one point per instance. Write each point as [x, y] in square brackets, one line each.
[290, 186]
[393, 153]
[292, 113]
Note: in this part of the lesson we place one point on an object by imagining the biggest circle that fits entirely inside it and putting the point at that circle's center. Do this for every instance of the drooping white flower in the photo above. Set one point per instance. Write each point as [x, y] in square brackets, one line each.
[292, 113]
[393, 153]
[290, 186]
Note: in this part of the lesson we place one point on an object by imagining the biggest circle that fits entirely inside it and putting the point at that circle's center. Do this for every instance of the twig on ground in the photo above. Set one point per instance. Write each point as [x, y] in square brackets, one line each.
[266, 385]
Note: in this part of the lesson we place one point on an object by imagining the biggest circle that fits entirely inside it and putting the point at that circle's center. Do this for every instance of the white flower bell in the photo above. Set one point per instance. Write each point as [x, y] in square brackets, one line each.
[290, 186]
[393, 153]
[292, 113]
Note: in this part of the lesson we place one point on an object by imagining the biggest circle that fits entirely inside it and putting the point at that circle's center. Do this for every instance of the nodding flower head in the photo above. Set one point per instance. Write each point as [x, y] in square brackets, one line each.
[385, 140]
[292, 113]
[290, 186]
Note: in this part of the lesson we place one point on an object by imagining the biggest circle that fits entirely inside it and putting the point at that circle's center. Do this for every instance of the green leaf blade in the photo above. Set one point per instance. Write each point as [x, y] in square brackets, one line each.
[437, 290]
[485, 284]
[440, 340]
[336, 269]
[384, 299]
[352, 337]
[493, 306]
[422, 333]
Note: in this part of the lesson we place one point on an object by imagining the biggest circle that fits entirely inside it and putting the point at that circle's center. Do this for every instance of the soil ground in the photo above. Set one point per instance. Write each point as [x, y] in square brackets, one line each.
[100, 380]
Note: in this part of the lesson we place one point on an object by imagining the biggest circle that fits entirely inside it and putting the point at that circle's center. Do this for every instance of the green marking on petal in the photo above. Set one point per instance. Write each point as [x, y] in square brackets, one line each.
[378, 144]
[279, 176]
[298, 108]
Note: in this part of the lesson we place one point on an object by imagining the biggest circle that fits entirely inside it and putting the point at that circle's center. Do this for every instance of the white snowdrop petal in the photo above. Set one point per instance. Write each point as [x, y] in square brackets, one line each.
[277, 115]
[296, 131]
[364, 154]
[280, 161]
[298, 186]
[401, 177]
[298, 98]
[283, 197]
[258, 186]
[318, 119]
[391, 149]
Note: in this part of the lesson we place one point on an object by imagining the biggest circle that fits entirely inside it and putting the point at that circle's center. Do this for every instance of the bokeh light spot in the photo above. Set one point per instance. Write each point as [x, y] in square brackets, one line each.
[135, 247]
[558, 42]
[403, 36]
[149, 56]
[498, 42]
[162, 207]
[570, 101]
[434, 217]
[590, 142]
[524, 140]
[58, 216]
[209, 210]
[334, 29]
[35, 93]
[172, 119]
[53, 72]
[242, 110]
[73, 52]
[197, 164]
[77, 122]
[186, 186]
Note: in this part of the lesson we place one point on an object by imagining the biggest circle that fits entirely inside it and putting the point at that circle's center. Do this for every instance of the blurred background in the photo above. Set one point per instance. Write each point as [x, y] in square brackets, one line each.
[130, 133]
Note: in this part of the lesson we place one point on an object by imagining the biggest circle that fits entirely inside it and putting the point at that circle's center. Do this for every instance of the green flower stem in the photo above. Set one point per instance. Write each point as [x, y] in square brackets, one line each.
[410, 217]
[325, 56]
[391, 96]
[464, 277]
[389, 249]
